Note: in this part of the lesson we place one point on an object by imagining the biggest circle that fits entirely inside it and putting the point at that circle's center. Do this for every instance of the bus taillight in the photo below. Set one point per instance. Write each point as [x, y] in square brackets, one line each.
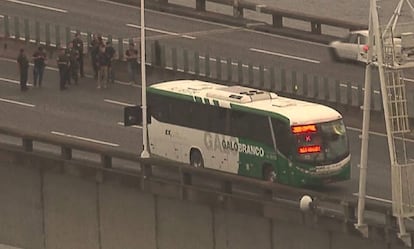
[309, 149]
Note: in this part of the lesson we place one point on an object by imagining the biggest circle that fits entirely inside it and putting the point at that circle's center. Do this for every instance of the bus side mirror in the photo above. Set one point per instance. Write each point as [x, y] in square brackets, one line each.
[132, 115]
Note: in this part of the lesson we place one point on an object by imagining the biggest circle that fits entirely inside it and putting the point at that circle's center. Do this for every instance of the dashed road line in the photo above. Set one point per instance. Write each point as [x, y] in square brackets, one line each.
[13, 81]
[84, 138]
[38, 6]
[284, 55]
[16, 102]
[118, 102]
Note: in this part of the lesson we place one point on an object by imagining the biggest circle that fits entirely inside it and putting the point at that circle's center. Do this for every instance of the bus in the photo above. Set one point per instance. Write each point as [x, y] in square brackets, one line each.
[246, 131]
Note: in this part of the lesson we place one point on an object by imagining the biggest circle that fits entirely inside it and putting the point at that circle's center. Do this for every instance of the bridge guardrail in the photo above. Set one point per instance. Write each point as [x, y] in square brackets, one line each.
[226, 191]
[278, 16]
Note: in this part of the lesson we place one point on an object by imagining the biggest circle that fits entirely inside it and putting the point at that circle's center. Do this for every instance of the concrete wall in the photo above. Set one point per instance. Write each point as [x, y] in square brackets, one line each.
[46, 203]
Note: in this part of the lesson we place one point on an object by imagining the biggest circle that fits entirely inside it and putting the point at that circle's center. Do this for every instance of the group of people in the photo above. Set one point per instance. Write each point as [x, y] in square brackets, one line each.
[70, 62]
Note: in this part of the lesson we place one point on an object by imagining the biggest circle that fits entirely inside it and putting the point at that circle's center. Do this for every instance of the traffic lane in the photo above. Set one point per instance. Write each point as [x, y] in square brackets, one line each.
[80, 111]
[107, 18]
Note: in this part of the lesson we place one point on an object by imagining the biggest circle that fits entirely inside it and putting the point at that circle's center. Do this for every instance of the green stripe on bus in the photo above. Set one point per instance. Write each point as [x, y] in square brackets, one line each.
[259, 112]
[206, 101]
[216, 103]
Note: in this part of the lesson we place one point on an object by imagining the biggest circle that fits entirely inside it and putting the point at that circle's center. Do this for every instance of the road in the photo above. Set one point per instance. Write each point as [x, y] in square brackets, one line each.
[88, 114]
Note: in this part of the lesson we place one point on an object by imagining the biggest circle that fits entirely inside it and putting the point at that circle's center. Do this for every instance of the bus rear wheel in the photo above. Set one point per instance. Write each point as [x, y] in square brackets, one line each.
[196, 159]
[269, 173]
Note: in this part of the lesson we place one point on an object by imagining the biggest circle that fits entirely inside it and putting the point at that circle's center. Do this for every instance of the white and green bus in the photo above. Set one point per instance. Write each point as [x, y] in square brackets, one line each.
[248, 132]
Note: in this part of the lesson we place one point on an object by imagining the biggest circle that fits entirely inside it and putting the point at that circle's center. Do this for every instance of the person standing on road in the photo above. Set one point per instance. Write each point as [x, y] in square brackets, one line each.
[94, 49]
[63, 62]
[131, 56]
[73, 54]
[110, 53]
[102, 63]
[39, 59]
[23, 66]
[78, 45]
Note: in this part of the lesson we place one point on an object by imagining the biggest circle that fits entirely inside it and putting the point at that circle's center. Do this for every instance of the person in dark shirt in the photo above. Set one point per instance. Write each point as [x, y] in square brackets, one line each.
[23, 66]
[78, 45]
[63, 62]
[132, 57]
[110, 53]
[73, 54]
[39, 59]
[102, 64]
[94, 49]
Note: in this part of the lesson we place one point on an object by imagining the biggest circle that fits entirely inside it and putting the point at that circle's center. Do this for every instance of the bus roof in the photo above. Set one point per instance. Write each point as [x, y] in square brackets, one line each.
[250, 99]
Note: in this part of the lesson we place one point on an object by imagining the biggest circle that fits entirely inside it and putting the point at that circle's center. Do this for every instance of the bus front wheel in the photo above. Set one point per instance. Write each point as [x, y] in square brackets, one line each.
[196, 159]
[269, 173]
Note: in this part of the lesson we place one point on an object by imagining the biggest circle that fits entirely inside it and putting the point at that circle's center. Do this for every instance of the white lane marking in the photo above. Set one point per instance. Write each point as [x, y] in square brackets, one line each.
[16, 102]
[13, 81]
[161, 31]
[84, 138]
[135, 126]
[379, 134]
[215, 23]
[284, 55]
[374, 198]
[118, 102]
[37, 6]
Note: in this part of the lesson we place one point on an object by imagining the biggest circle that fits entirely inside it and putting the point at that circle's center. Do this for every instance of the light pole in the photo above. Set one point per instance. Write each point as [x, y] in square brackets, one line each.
[145, 152]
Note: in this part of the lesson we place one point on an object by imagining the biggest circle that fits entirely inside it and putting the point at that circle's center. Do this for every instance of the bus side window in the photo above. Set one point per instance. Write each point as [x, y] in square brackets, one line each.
[283, 137]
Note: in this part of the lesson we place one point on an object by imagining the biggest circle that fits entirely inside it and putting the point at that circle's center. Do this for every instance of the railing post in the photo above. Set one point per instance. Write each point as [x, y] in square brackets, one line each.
[240, 72]
[68, 35]
[283, 80]
[185, 61]
[207, 65]
[66, 153]
[27, 144]
[57, 35]
[229, 70]
[174, 59]
[315, 87]
[157, 54]
[261, 76]
[201, 5]
[326, 89]
[349, 95]
[196, 63]
[47, 33]
[16, 28]
[251, 75]
[26, 30]
[272, 85]
[37, 32]
[6, 26]
[294, 85]
[218, 68]
[277, 21]
[316, 28]
[338, 92]
[106, 161]
[305, 91]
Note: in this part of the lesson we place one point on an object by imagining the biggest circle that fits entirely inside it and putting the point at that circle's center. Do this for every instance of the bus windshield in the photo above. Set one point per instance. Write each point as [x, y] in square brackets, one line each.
[321, 143]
